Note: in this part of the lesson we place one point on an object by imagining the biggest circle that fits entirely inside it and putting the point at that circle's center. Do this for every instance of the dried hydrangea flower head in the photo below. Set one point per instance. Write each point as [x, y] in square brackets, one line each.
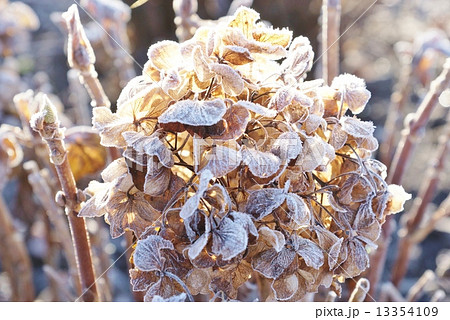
[234, 165]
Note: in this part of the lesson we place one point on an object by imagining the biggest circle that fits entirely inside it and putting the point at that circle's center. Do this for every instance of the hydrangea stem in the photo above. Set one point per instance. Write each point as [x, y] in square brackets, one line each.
[412, 220]
[47, 124]
[410, 137]
[15, 259]
[331, 21]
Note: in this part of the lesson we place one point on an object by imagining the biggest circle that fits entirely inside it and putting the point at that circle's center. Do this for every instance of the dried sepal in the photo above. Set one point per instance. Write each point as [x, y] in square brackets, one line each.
[261, 164]
[354, 92]
[194, 113]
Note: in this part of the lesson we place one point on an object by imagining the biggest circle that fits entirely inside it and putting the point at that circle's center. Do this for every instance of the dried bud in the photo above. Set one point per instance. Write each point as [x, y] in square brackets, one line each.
[80, 54]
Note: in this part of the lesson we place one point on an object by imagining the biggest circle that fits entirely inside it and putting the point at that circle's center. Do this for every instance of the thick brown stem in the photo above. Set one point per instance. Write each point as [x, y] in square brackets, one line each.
[331, 21]
[412, 220]
[78, 230]
[14, 256]
[44, 194]
[393, 121]
[47, 124]
[94, 88]
[410, 137]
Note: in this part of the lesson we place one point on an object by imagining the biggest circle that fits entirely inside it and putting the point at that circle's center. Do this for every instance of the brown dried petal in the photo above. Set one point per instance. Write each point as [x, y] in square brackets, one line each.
[157, 182]
[281, 37]
[236, 119]
[149, 145]
[244, 19]
[148, 256]
[262, 202]
[192, 203]
[273, 238]
[257, 108]
[338, 137]
[309, 251]
[129, 212]
[287, 146]
[229, 239]
[285, 287]
[354, 90]
[357, 259]
[314, 154]
[231, 80]
[229, 280]
[178, 298]
[165, 288]
[271, 263]
[141, 280]
[261, 164]
[201, 67]
[236, 55]
[164, 55]
[222, 160]
[198, 280]
[297, 209]
[110, 126]
[357, 127]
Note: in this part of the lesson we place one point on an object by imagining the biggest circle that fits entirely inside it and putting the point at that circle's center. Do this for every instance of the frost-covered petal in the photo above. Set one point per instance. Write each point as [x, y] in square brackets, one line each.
[287, 146]
[262, 202]
[261, 164]
[147, 255]
[229, 239]
[397, 198]
[194, 113]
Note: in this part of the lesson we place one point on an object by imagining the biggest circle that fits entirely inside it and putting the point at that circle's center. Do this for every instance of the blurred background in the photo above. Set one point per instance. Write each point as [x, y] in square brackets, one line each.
[379, 41]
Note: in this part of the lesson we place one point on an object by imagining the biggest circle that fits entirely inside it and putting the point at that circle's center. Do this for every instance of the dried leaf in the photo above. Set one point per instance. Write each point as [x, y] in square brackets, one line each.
[85, 154]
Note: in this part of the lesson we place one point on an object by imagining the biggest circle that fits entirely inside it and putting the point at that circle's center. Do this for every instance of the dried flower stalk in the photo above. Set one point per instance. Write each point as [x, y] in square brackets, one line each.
[41, 188]
[81, 57]
[413, 219]
[15, 258]
[423, 231]
[398, 100]
[360, 291]
[47, 124]
[411, 134]
[416, 290]
[113, 15]
[389, 293]
[331, 21]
